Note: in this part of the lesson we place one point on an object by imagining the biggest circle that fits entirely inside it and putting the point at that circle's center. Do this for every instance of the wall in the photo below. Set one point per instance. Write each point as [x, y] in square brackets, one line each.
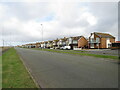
[82, 42]
[112, 40]
[103, 43]
[37, 45]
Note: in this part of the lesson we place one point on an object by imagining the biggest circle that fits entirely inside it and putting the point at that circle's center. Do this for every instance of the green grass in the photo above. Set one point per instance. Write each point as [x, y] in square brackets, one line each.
[0, 71]
[14, 73]
[83, 53]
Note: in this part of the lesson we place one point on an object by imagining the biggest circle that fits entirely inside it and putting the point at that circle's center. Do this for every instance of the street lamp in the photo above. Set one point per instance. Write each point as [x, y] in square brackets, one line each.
[42, 33]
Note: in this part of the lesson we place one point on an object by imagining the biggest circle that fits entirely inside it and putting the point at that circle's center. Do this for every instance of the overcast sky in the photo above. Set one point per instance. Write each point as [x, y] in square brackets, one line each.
[20, 22]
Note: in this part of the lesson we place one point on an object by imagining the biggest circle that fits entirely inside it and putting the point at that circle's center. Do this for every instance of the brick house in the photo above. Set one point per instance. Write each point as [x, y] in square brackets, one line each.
[82, 42]
[49, 44]
[28, 45]
[73, 41]
[38, 44]
[23, 46]
[45, 44]
[33, 45]
[42, 44]
[116, 45]
[101, 40]
[62, 42]
[55, 43]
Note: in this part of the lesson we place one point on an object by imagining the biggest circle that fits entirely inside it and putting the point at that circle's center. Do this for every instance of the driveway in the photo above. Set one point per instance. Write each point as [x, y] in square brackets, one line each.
[57, 70]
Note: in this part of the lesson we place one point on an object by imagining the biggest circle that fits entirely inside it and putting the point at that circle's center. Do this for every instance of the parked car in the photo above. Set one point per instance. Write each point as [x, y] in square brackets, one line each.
[56, 48]
[67, 47]
[61, 47]
[51, 48]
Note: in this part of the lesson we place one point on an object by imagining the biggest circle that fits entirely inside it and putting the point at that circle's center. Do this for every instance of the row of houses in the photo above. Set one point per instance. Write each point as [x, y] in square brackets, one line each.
[95, 40]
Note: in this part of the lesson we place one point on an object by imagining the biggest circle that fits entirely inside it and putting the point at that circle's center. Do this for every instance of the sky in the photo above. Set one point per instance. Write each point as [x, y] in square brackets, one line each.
[20, 22]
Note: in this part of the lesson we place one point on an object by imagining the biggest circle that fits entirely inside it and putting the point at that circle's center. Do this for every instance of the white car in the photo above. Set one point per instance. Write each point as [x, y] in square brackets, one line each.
[51, 48]
[61, 47]
[67, 47]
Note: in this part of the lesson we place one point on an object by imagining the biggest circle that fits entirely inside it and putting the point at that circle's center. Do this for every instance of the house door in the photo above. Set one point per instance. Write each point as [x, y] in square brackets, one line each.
[91, 45]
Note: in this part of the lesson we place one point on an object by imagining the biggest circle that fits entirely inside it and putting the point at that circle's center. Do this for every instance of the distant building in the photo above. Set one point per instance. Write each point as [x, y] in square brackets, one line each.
[73, 42]
[62, 42]
[82, 42]
[116, 45]
[38, 44]
[49, 44]
[45, 44]
[101, 40]
[55, 43]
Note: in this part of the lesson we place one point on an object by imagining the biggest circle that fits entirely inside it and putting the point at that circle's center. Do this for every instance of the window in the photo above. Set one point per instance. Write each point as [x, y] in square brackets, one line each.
[92, 39]
[97, 39]
[63, 42]
[60, 42]
[70, 40]
[109, 45]
[74, 41]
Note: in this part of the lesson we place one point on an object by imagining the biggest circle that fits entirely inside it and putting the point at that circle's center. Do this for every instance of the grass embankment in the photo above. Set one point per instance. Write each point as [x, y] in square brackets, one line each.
[0, 72]
[14, 74]
[83, 53]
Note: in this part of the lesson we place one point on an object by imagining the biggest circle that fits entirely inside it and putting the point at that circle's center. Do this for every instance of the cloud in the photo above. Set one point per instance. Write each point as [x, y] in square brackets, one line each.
[22, 20]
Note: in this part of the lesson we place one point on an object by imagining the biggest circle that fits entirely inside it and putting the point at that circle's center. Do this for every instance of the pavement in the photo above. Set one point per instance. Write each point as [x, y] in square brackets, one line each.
[103, 52]
[57, 70]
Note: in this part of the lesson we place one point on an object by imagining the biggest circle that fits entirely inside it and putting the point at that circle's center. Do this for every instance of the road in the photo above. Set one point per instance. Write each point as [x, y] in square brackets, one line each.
[56, 70]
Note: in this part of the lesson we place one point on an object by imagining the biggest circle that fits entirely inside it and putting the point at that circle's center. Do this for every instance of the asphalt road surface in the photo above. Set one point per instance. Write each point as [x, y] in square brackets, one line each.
[56, 70]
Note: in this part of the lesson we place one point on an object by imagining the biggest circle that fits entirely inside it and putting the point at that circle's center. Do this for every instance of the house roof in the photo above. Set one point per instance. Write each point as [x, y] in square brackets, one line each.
[50, 41]
[28, 44]
[41, 42]
[33, 43]
[45, 41]
[104, 35]
[64, 39]
[56, 40]
[76, 38]
[38, 43]
[83, 37]
[117, 42]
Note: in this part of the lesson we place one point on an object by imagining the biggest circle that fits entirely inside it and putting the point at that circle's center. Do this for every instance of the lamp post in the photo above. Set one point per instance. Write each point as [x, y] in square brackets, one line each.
[3, 43]
[42, 33]
[2, 36]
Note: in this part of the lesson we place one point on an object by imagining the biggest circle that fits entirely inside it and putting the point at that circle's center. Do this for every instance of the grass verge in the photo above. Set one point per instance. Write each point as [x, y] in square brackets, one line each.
[14, 73]
[83, 53]
[0, 72]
